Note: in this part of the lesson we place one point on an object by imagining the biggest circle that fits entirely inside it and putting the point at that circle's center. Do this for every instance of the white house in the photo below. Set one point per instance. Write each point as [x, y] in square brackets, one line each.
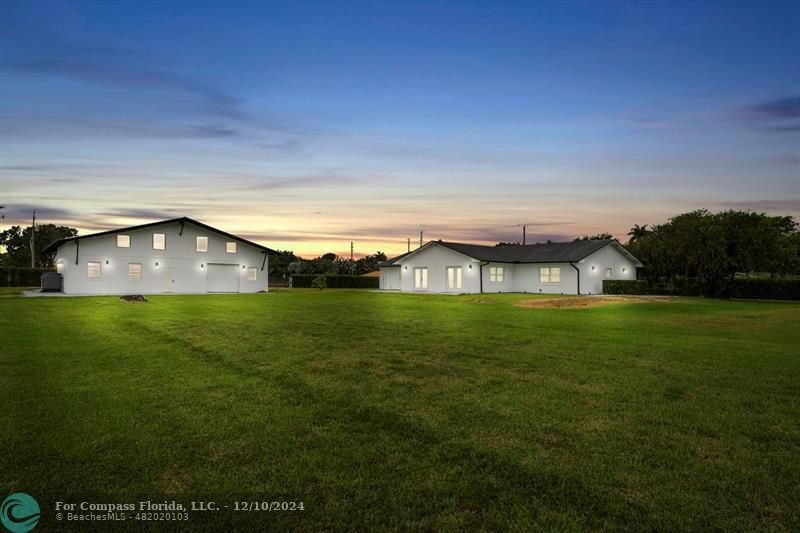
[552, 268]
[173, 256]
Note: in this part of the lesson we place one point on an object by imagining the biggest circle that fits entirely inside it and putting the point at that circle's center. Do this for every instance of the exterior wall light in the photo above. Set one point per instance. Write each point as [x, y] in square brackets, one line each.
[156, 264]
[405, 267]
[594, 268]
[624, 270]
[202, 265]
[470, 266]
[106, 261]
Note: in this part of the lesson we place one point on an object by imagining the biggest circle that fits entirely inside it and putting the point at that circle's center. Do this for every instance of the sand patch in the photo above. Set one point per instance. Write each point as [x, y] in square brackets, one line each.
[591, 301]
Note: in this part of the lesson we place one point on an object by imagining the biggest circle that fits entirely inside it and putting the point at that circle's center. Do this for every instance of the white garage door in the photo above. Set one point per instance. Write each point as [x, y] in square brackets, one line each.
[222, 278]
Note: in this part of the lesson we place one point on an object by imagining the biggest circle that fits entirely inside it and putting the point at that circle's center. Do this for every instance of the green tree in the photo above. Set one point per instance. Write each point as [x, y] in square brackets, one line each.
[280, 263]
[714, 247]
[17, 241]
[596, 237]
[368, 263]
[319, 283]
[637, 232]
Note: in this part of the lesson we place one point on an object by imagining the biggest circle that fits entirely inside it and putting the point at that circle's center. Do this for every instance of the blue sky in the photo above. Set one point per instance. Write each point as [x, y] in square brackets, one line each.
[308, 125]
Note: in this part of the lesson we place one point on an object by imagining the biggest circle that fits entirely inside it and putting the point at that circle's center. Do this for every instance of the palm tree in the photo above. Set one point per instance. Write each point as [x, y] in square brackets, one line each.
[637, 232]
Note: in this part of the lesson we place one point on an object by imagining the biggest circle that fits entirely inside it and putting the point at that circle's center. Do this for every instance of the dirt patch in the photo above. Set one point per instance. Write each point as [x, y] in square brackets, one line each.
[591, 301]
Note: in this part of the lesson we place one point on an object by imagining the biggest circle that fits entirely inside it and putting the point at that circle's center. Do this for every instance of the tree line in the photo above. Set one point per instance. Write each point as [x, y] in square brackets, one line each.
[716, 247]
[286, 263]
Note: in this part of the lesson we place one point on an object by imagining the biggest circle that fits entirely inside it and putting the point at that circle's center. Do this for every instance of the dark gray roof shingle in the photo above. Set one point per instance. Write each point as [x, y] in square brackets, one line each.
[551, 252]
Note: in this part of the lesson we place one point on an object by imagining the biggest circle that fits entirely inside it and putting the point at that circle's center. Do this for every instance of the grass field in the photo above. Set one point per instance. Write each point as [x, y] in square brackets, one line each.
[399, 411]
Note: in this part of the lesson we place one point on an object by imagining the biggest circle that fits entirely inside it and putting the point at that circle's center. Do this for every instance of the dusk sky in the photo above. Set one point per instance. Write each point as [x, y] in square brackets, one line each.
[304, 125]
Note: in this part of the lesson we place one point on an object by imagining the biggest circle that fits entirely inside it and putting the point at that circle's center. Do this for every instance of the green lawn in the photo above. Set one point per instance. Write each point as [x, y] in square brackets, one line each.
[399, 411]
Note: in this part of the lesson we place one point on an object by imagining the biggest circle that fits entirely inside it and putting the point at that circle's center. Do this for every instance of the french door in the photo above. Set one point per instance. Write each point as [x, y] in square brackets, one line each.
[454, 275]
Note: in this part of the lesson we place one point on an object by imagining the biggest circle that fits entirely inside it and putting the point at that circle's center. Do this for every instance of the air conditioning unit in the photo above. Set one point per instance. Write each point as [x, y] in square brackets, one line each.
[52, 282]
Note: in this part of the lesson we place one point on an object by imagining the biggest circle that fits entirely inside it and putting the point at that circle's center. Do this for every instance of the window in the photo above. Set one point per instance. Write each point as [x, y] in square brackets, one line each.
[134, 271]
[453, 277]
[252, 274]
[609, 272]
[230, 247]
[420, 278]
[496, 274]
[549, 275]
[159, 241]
[202, 244]
[123, 241]
[93, 270]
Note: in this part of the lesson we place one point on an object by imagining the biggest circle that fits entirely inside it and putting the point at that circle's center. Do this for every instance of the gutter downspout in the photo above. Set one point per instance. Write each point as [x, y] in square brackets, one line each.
[77, 250]
[578, 271]
[480, 271]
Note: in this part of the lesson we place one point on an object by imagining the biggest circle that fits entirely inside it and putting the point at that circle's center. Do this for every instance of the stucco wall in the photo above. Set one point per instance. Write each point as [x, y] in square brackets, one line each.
[437, 259]
[527, 279]
[180, 256]
[390, 278]
[607, 257]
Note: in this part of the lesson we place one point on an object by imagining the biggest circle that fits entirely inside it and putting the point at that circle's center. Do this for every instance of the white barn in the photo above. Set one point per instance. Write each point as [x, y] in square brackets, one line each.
[172, 256]
[552, 268]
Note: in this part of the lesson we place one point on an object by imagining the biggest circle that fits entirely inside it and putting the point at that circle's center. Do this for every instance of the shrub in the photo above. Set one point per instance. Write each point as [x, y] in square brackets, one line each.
[319, 283]
[765, 289]
[625, 286]
[335, 281]
[22, 276]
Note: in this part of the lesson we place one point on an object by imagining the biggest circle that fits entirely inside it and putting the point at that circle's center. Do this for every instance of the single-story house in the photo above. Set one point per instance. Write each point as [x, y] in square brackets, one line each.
[180, 255]
[552, 268]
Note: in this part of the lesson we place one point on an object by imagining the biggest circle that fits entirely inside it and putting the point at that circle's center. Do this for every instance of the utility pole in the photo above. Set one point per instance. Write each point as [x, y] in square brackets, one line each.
[524, 231]
[409, 245]
[420, 238]
[33, 240]
[352, 264]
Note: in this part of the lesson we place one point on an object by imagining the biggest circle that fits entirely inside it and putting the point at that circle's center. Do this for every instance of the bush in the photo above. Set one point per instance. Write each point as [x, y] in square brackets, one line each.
[22, 276]
[765, 289]
[625, 286]
[319, 283]
[304, 281]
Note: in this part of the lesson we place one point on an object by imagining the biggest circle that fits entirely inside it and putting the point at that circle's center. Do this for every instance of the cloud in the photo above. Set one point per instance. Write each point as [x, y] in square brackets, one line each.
[161, 103]
[20, 214]
[125, 68]
[274, 184]
[780, 114]
[145, 214]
